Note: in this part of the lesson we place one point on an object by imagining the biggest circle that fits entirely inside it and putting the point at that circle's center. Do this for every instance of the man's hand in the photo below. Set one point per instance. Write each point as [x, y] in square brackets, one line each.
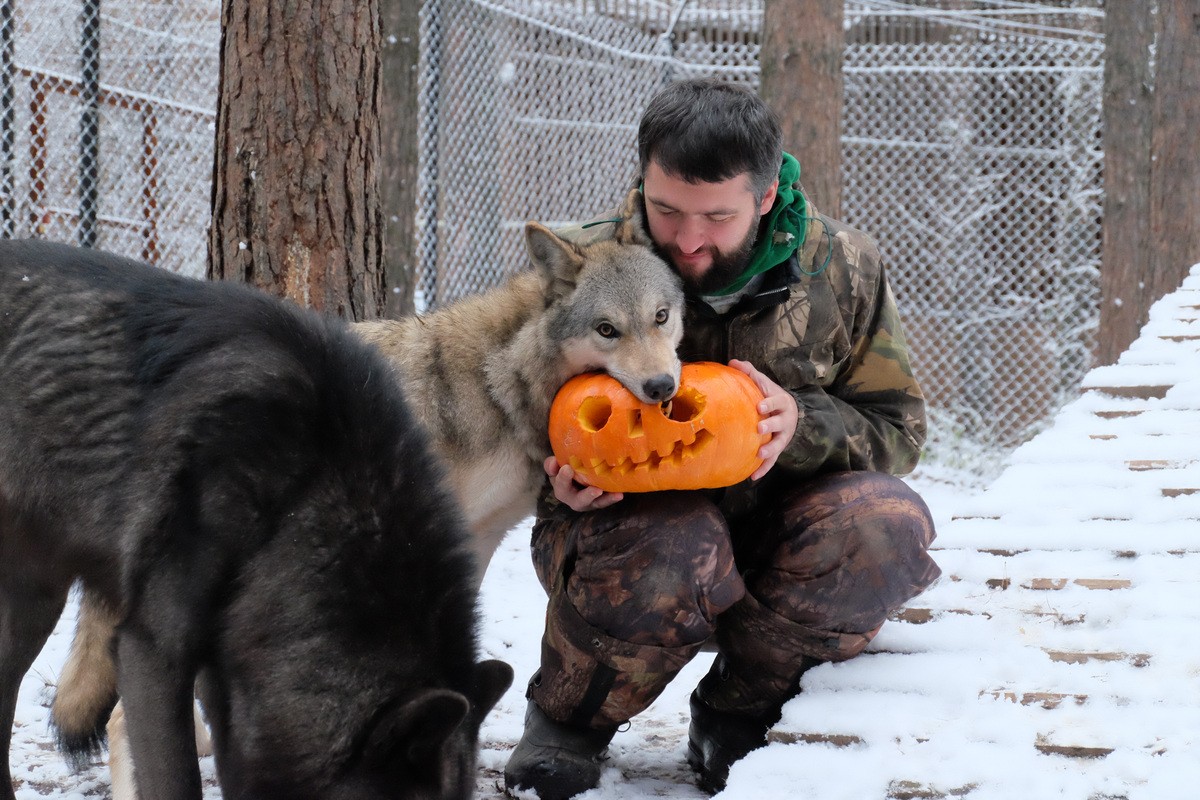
[779, 408]
[576, 495]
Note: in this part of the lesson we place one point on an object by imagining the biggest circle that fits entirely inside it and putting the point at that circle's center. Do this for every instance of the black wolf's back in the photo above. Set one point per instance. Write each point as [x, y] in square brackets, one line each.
[118, 371]
[261, 450]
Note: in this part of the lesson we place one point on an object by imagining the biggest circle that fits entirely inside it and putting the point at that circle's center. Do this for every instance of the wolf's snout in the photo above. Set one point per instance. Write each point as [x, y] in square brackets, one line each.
[659, 388]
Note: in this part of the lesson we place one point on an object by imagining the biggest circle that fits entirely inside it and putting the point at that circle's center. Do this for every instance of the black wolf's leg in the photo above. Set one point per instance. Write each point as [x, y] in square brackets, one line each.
[28, 610]
[156, 690]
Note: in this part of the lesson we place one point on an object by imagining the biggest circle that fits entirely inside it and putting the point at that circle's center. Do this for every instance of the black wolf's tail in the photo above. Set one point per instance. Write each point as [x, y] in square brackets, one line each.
[87, 689]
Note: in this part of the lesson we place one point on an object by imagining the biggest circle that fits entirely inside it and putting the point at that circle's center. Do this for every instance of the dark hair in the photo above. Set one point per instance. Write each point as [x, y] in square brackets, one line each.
[703, 129]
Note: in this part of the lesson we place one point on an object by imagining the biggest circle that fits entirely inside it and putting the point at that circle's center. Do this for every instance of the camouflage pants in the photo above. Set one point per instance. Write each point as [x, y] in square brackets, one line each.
[636, 589]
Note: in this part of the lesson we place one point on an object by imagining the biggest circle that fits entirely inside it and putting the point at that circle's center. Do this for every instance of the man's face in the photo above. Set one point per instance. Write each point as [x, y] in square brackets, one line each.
[707, 230]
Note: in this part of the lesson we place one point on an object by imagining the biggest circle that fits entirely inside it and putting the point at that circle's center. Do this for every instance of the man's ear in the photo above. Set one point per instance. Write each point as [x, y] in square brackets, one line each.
[632, 228]
[558, 261]
[769, 198]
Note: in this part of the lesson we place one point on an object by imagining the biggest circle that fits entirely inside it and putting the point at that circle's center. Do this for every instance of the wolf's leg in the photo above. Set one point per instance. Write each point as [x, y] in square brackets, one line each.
[87, 688]
[156, 690]
[29, 607]
[120, 762]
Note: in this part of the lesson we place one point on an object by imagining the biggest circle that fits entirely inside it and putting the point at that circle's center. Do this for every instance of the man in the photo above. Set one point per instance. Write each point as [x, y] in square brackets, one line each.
[799, 565]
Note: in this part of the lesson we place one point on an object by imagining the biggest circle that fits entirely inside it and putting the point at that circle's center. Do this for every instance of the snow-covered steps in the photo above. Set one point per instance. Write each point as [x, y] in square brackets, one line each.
[1059, 654]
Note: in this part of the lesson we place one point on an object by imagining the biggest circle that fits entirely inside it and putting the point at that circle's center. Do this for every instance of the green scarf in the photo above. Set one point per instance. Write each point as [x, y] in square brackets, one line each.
[785, 227]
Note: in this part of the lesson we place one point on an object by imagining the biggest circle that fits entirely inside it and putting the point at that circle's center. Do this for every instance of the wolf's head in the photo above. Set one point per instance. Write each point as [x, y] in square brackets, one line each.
[614, 306]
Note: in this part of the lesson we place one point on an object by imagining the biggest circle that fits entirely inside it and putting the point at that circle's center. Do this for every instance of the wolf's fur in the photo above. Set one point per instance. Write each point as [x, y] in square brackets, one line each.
[241, 483]
[482, 373]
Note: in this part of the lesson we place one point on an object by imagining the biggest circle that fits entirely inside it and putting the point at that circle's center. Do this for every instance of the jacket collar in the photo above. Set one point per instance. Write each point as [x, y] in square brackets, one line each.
[775, 289]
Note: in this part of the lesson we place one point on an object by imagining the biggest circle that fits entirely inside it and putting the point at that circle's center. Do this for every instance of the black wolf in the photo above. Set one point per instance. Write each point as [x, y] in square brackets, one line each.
[242, 483]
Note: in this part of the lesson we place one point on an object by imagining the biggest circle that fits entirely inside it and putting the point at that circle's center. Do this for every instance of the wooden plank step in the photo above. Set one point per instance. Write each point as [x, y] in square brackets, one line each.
[999, 551]
[1188, 337]
[1155, 392]
[1057, 584]
[835, 739]
[1103, 584]
[1047, 700]
[912, 790]
[1078, 657]
[1147, 464]
[1044, 745]
[1179, 492]
[1118, 414]
[921, 616]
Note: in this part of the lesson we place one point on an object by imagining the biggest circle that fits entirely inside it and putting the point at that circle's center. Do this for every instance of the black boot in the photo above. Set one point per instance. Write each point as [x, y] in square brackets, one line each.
[555, 759]
[730, 719]
[716, 739]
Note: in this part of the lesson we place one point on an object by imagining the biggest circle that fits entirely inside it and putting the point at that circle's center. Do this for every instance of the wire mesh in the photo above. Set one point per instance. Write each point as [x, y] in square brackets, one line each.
[971, 152]
[529, 111]
[108, 120]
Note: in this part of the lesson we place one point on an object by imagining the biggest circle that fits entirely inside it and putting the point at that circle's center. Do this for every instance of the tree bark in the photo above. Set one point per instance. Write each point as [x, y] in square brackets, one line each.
[398, 130]
[801, 78]
[1151, 227]
[296, 207]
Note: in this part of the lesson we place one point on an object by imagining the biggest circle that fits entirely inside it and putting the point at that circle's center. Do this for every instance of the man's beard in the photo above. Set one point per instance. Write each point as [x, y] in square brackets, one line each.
[725, 267]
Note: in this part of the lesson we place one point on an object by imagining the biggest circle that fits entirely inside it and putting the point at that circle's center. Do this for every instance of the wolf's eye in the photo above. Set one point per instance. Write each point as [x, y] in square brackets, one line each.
[662, 316]
[606, 330]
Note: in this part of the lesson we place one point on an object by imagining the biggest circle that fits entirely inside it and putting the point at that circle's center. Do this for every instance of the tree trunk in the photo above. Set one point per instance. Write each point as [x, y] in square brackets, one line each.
[398, 131]
[295, 183]
[801, 78]
[1151, 228]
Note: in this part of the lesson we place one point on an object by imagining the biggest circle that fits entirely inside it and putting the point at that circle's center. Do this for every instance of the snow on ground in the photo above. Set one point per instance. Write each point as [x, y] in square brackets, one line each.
[1054, 658]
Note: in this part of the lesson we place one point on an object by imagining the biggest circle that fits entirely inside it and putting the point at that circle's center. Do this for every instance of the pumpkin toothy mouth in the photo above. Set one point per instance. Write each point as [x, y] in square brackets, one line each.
[596, 414]
[705, 437]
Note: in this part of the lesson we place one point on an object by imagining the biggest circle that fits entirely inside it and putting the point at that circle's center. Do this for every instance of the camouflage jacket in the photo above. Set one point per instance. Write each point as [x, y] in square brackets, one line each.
[834, 340]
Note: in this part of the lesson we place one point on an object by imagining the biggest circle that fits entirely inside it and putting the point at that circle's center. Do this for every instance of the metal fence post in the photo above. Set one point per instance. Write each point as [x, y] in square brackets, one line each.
[89, 122]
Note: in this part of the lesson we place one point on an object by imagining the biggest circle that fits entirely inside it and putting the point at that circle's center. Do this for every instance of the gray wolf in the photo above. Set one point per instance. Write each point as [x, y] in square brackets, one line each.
[481, 373]
[241, 483]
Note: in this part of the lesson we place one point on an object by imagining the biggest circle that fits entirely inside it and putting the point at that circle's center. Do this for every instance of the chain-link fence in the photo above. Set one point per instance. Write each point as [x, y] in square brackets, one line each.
[970, 151]
[107, 124]
[529, 111]
[970, 144]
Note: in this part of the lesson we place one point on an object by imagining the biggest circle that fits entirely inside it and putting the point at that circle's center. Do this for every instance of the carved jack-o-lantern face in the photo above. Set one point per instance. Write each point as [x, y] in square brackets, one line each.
[705, 437]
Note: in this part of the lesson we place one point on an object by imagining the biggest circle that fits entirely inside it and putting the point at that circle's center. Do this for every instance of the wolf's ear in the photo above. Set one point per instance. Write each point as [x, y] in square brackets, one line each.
[417, 731]
[558, 260]
[492, 679]
[632, 227]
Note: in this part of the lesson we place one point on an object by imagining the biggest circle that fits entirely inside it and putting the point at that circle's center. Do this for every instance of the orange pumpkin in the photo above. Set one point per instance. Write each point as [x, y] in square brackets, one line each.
[705, 437]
